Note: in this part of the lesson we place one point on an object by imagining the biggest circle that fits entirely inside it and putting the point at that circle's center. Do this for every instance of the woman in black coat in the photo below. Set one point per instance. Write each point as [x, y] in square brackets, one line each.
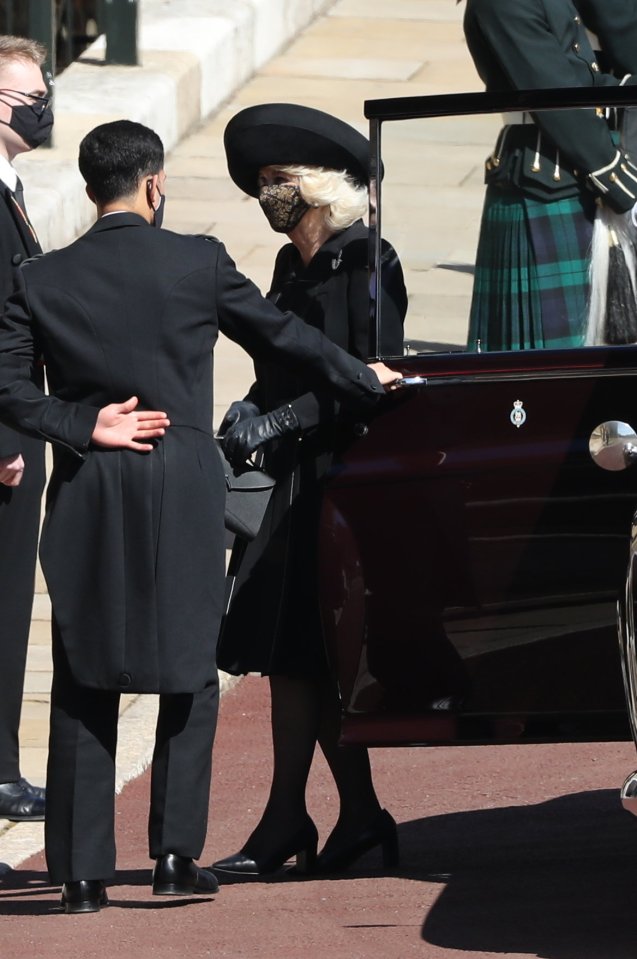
[310, 173]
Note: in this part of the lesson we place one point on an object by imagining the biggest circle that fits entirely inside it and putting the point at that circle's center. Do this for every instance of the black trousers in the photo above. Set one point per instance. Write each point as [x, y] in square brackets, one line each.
[80, 802]
[19, 526]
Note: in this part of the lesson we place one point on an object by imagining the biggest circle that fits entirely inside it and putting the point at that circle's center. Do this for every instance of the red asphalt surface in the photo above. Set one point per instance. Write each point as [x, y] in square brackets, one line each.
[509, 851]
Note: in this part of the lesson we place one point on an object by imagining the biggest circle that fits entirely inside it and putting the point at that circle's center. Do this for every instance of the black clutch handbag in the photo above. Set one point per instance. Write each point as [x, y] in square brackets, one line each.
[248, 491]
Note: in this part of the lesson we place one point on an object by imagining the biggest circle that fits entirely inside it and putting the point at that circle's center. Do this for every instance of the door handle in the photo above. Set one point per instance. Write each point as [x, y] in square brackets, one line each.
[410, 381]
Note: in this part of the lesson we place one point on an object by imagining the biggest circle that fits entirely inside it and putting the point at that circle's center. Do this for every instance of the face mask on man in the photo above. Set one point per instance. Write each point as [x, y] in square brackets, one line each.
[32, 123]
[283, 206]
[158, 211]
[158, 219]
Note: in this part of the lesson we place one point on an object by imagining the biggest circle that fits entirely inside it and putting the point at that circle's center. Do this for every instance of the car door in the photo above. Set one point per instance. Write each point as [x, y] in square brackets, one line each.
[473, 549]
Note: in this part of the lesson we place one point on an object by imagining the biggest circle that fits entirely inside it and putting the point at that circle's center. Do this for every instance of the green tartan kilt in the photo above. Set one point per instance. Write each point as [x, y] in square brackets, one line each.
[531, 281]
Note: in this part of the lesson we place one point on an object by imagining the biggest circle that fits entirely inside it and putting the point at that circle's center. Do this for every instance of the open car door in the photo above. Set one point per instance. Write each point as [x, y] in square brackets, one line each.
[475, 537]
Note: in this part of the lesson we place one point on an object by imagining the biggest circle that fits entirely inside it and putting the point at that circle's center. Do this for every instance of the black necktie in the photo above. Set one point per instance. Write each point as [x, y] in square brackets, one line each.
[19, 196]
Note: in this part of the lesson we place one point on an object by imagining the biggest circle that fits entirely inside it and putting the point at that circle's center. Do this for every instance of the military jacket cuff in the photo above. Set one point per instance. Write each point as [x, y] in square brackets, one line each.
[616, 182]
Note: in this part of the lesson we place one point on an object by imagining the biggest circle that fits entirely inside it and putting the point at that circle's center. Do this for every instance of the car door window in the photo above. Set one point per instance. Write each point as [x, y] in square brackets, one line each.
[432, 203]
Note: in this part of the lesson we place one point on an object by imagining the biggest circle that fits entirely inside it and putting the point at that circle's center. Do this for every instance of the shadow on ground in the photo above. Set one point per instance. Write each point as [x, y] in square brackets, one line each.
[555, 879]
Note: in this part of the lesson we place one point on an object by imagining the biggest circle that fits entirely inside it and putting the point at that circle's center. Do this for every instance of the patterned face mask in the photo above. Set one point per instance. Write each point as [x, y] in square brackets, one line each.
[283, 206]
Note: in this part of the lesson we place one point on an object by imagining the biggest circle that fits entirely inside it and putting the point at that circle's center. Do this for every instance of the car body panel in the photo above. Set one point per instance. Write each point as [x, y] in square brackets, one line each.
[472, 562]
[472, 549]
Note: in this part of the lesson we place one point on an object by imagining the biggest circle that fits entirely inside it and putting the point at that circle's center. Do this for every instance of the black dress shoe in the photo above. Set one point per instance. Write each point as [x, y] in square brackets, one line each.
[21, 802]
[179, 876]
[381, 832]
[84, 895]
[302, 845]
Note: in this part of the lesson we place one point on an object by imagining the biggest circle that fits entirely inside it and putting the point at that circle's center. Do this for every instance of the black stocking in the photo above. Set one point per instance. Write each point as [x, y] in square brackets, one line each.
[295, 720]
[305, 711]
[351, 770]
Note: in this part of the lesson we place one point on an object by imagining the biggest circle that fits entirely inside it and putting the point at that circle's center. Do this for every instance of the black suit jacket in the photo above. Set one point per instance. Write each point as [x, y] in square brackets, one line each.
[133, 544]
[17, 243]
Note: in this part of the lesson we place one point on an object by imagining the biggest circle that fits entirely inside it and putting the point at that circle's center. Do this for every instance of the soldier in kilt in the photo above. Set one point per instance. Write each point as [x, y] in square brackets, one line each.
[545, 178]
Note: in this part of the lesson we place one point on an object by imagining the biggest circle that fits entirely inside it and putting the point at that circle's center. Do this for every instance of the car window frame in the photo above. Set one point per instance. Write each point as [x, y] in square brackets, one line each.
[390, 109]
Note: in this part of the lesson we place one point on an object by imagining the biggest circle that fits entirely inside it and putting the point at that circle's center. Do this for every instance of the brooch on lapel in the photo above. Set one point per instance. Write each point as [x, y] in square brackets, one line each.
[337, 260]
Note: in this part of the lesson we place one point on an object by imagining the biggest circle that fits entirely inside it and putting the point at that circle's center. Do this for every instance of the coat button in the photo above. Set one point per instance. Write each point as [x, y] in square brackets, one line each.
[576, 47]
[577, 19]
[124, 679]
[17, 259]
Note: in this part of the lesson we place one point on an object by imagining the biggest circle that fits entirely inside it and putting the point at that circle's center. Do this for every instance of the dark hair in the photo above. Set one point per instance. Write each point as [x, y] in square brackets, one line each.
[115, 156]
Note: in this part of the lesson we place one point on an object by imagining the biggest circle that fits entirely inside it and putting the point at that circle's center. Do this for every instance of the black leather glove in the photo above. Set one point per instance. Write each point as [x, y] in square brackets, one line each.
[246, 436]
[237, 411]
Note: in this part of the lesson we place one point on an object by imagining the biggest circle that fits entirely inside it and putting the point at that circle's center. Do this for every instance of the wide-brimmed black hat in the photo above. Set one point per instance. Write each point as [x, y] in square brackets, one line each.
[278, 134]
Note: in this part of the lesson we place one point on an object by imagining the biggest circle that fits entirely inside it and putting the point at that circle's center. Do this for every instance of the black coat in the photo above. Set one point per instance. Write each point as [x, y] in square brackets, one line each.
[273, 622]
[19, 516]
[133, 544]
[17, 243]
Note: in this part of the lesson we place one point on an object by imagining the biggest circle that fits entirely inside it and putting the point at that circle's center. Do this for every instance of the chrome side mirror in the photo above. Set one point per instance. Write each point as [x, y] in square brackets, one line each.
[613, 445]
[628, 794]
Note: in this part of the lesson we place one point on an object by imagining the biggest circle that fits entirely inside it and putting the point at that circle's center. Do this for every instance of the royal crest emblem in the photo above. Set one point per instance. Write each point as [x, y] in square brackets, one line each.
[518, 414]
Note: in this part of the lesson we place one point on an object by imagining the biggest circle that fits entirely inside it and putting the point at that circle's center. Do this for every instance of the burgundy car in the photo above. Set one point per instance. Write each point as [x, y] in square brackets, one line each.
[476, 536]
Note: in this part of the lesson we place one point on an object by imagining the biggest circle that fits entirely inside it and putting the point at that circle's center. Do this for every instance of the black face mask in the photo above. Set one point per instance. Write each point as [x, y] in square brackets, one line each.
[31, 125]
[283, 205]
[158, 219]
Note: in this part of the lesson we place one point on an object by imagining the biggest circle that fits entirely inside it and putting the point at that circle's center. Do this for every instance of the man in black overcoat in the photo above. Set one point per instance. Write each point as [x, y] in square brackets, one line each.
[25, 122]
[133, 542]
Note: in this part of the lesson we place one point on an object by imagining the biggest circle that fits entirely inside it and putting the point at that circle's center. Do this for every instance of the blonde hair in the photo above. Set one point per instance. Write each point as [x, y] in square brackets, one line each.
[343, 199]
[21, 48]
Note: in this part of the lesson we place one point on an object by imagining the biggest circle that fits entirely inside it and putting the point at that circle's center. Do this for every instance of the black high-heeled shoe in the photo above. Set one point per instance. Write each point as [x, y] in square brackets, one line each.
[381, 832]
[302, 844]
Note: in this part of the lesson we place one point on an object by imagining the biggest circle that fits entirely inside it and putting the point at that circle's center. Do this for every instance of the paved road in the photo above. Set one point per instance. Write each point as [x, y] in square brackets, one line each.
[508, 851]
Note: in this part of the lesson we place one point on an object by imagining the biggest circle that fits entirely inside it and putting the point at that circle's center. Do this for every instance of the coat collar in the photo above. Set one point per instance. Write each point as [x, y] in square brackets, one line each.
[328, 258]
[336, 242]
[114, 221]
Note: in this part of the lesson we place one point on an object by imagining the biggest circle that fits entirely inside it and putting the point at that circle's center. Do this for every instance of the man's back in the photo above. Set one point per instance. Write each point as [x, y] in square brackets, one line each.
[128, 309]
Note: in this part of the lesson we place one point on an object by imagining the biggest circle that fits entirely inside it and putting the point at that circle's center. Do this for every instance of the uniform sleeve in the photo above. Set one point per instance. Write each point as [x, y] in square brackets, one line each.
[23, 405]
[530, 56]
[268, 334]
[615, 23]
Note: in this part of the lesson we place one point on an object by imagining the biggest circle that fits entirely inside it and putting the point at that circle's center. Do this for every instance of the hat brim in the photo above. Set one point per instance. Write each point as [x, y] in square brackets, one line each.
[277, 134]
